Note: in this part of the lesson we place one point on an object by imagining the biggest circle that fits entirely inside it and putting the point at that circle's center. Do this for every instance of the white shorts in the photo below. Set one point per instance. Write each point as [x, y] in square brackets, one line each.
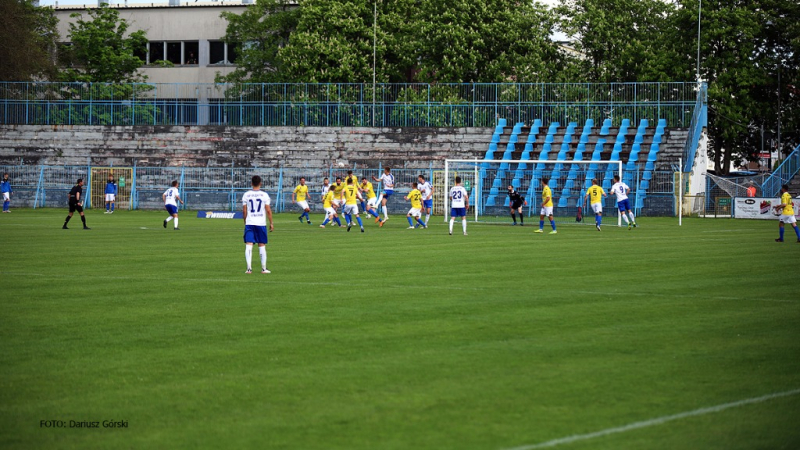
[110, 197]
[330, 211]
[336, 202]
[787, 218]
[372, 203]
[351, 209]
[597, 208]
[302, 204]
[415, 212]
[546, 211]
[6, 196]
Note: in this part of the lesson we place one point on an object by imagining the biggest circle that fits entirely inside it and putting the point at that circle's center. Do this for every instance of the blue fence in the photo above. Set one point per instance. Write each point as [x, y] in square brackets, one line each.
[345, 105]
[222, 188]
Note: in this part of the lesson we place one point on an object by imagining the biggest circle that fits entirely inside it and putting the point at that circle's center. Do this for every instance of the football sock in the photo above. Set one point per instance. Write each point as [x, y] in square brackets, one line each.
[336, 219]
[410, 222]
[67, 221]
[385, 212]
[325, 222]
[176, 223]
[427, 217]
[797, 232]
[521, 220]
[464, 224]
[782, 230]
[5, 205]
[451, 225]
[83, 219]
[553, 224]
[514, 217]
[248, 255]
[108, 207]
[169, 218]
[541, 224]
[112, 207]
[349, 218]
[630, 214]
[363, 206]
[358, 219]
[262, 251]
[419, 221]
[599, 220]
[625, 216]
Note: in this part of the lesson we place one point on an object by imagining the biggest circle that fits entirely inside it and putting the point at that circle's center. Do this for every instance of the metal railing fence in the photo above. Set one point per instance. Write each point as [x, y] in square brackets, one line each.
[343, 105]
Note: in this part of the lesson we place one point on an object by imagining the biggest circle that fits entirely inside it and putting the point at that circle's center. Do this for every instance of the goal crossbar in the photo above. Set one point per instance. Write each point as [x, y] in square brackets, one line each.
[476, 166]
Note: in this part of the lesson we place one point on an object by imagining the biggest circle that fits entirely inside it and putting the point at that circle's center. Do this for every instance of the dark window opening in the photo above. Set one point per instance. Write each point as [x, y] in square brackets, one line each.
[217, 52]
[233, 53]
[141, 54]
[190, 52]
[174, 52]
[156, 52]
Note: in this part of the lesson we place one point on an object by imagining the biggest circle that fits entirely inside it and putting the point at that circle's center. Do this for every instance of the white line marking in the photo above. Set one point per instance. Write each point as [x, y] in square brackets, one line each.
[657, 421]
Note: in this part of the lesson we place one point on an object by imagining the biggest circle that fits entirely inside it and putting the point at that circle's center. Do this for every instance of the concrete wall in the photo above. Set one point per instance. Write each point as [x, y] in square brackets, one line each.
[245, 146]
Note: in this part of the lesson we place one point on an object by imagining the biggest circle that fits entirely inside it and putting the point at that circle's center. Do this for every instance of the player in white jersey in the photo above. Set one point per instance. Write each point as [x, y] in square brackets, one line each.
[621, 190]
[427, 197]
[387, 180]
[459, 203]
[171, 196]
[256, 210]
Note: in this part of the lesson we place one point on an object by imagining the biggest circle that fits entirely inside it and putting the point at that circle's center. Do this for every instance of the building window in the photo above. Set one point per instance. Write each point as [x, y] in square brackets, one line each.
[156, 52]
[190, 52]
[222, 53]
[174, 52]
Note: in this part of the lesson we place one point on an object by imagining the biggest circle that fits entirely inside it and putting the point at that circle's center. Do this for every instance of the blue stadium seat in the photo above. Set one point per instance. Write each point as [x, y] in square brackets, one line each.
[605, 128]
[650, 165]
[501, 122]
[662, 123]
[606, 184]
[589, 123]
[625, 123]
[548, 139]
[644, 123]
[644, 184]
[569, 184]
[536, 123]
[647, 175]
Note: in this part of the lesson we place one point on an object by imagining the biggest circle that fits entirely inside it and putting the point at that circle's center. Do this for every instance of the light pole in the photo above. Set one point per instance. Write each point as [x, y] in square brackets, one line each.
[699, 11]
[374, 45]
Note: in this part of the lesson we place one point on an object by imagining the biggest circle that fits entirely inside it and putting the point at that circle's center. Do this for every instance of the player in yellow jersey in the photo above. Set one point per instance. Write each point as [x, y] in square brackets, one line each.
[330, 213]
[547, 207]
[301, 191]
[596, 194]
[787, 213]
[351, 198]
[338, 193]
[415, 197]
[372, 199]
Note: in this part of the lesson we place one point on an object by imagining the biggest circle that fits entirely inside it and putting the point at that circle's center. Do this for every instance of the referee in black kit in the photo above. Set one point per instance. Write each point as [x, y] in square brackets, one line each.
[515, 202]
[76, 204]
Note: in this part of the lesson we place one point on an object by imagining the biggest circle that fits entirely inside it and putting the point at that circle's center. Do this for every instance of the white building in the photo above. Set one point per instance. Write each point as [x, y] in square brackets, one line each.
[189, 36]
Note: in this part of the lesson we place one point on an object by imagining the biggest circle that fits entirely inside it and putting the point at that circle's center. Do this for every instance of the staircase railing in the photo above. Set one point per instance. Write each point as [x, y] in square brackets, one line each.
[782, 174]
[699, 121]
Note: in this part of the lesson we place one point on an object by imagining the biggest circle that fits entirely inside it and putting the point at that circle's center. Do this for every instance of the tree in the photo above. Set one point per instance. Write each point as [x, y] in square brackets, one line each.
[623, 40]
[264, 28]
[100, 50]
[27, 41]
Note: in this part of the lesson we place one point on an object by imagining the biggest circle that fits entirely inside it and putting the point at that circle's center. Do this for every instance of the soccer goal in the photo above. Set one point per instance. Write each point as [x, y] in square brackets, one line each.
[487, 182]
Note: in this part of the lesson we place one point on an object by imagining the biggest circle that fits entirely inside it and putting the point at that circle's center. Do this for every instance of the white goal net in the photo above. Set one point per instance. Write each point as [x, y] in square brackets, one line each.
[487, 183]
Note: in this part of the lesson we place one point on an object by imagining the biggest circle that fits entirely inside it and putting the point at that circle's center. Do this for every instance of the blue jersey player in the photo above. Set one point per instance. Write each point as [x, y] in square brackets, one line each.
[256, 210]
[111, 195]
[5, 188]
[387, 179]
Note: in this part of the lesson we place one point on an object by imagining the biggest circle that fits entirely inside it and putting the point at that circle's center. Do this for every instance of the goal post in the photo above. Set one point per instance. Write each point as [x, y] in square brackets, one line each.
[486, 182]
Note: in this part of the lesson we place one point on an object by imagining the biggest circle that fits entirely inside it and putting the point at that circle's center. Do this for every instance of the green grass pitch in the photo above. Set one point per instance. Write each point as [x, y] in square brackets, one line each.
[395, 338]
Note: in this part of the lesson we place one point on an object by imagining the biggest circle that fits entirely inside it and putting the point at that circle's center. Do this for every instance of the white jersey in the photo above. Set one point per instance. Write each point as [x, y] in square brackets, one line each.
[171, 195]
[425, 189]
[388, 182]
[458, 197]
[325, 188]
[620, 189]
[256, 203]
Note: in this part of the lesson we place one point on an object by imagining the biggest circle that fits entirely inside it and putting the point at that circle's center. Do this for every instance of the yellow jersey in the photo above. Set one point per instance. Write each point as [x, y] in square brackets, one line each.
[351, 194]
[326, 201]
[595, 194]
[546, 193]
[338, 189]
[368, 189]
[415, 196]
[302, 192]
[354, 178]
[786, 199]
